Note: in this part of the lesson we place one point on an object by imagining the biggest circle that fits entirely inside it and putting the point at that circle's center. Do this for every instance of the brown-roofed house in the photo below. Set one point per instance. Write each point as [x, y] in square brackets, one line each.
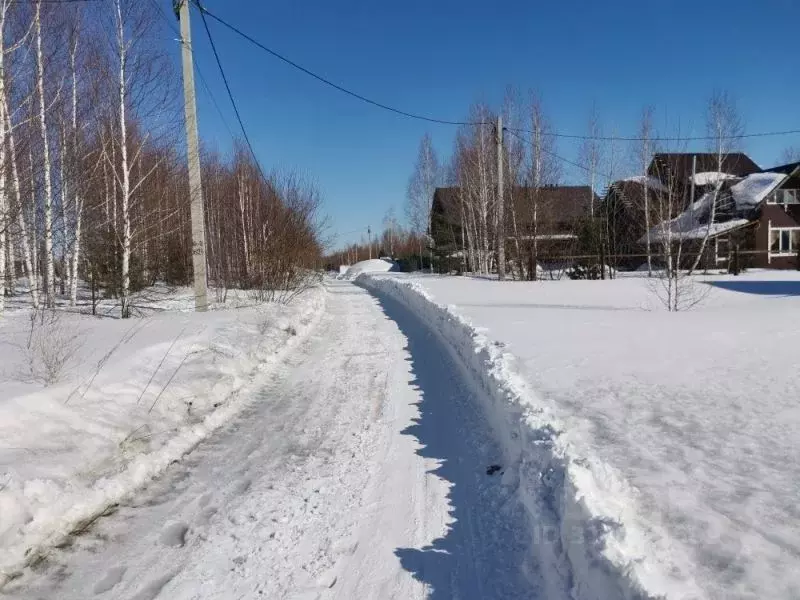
[553, 224]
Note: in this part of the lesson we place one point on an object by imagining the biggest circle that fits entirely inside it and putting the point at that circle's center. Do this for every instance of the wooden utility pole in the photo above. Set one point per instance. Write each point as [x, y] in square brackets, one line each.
[369, 241]
[500, 234]
[193, 154]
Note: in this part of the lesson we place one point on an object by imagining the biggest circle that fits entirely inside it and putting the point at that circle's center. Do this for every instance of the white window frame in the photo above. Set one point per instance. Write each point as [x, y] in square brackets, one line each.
[773, 197]
[717, 240]
[792, 250]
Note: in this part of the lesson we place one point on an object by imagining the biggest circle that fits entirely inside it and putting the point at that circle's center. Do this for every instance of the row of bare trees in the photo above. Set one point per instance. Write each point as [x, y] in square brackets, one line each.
[93, 184]
[529, 165]
[402, 244]
[532, 163]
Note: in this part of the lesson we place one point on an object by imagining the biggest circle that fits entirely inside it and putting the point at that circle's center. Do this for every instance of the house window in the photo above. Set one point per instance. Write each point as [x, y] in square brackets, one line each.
[785, 240]
[722, 249]
[784, 197]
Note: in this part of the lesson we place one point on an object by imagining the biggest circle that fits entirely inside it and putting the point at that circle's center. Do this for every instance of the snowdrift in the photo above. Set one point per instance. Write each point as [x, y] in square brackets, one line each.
[145, 393]
[375, 265]
[576, 505]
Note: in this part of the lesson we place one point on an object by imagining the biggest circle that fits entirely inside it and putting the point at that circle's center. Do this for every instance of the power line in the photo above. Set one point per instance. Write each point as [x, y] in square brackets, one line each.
[558, 156]
[230, 93]
[328, 82]
[203, 80]
[50, 1]
[658, 138]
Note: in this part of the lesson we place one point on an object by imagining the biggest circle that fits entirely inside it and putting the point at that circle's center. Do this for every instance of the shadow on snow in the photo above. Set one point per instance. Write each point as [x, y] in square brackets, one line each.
[484, 547]
[761, 288]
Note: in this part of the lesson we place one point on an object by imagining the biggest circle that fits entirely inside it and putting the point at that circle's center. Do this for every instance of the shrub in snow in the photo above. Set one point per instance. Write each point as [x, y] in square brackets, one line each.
[589, 272]
[51, 347]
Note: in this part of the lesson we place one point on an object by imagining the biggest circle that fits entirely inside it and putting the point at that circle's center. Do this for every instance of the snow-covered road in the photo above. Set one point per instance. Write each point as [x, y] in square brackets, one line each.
[359, 470]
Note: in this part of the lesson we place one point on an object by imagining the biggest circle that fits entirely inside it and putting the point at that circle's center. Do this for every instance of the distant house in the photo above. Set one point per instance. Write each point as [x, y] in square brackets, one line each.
[545, 220]
[756, 216]
[755, 210]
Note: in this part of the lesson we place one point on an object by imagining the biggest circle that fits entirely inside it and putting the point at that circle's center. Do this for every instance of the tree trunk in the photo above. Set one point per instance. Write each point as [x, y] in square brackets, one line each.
[124, 167]
[50, 275]
[25, 241]
[77, 200]
[4, 221]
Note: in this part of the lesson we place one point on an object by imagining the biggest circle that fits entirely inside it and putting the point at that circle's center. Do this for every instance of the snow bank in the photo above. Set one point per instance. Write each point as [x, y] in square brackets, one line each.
[375, 265]
[578, 507]
[751, 190]
[140, 394]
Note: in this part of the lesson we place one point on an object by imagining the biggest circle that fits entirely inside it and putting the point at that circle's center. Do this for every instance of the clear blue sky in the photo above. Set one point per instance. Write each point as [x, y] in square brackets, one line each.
[438, 56]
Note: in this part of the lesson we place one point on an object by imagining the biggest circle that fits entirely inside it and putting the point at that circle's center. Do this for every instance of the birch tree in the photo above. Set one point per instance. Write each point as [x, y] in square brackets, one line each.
[542, 170]
[49, 278]
[591, 154]
[645, 151]
[74, 155]
[724, 128]
[419, 193]
[4, 203]
[140, 83]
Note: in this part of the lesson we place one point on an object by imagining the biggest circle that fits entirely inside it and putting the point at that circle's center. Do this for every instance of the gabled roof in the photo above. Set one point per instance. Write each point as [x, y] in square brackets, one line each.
[679, 164]
[556, 204]
[785, 169]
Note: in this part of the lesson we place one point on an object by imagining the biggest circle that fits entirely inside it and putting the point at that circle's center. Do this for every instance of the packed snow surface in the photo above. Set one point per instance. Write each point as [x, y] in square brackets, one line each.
[133, 396]
[360, 466]
[677, 432]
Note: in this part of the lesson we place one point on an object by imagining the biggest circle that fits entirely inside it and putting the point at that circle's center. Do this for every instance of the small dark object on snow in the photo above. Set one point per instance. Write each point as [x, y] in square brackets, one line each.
[493, 469]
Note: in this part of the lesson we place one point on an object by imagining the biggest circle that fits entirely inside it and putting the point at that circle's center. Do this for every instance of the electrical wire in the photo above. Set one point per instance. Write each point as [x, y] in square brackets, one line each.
[328, 82]
[203, 80]
[230, 93]
[658, 138]
[553, 154]
[34, 2]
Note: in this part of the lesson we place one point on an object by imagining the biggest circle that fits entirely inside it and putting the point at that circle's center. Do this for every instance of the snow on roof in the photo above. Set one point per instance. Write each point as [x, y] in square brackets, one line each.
[688, 225]
[751, 190]
[652, 182]
[711, 177]
[698, 232]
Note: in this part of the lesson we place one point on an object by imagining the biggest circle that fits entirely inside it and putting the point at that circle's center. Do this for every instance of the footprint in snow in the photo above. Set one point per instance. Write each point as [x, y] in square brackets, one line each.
[174, 534]
[205, 515]
[112, 578]
[241, 486]
[153, 588]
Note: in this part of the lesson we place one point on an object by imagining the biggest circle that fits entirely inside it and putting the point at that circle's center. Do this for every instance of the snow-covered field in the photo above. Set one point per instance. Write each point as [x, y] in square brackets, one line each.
[110, 403]
[655, 453]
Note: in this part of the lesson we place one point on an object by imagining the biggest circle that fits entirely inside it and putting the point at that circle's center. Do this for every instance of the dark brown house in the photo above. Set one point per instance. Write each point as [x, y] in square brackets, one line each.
[756, 220]
[777, 226]
[546, 220]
